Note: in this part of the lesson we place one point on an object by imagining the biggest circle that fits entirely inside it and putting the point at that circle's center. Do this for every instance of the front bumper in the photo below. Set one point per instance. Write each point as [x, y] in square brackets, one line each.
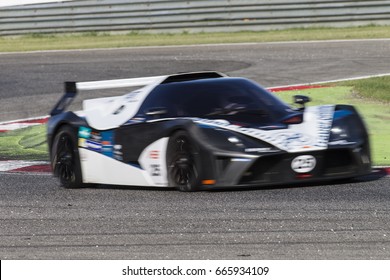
[275, 169]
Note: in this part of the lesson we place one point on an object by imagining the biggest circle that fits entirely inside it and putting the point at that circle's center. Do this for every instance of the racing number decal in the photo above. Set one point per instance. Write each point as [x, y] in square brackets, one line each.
[155, 170]
[153, 161]
[303, 164]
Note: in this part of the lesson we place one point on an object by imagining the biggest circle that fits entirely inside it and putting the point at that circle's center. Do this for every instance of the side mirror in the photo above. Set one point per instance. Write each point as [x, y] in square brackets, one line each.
[301, 100]
[156, 111]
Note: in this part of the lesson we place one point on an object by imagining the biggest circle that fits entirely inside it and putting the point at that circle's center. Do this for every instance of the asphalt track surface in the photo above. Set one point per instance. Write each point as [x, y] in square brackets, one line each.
[40, 220]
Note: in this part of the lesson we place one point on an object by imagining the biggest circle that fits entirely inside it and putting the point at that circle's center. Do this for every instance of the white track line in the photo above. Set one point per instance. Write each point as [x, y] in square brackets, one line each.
[24, 120]
[202, 45]
[332, 81]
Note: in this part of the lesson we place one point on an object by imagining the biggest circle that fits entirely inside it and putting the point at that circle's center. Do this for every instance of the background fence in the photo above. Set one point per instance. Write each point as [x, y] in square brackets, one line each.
[191, 16]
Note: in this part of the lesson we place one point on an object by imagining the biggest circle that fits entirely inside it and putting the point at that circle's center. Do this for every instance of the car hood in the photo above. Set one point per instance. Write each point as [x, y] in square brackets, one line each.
[310, 135]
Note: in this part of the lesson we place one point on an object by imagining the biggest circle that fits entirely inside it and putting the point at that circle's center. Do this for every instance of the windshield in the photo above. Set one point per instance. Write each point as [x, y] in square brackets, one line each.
[211, 98]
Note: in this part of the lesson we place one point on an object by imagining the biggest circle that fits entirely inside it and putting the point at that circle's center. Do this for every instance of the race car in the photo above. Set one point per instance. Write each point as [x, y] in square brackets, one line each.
[201, 130]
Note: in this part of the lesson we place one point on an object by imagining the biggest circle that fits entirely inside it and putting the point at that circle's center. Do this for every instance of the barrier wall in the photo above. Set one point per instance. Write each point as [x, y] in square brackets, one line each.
[191, 16]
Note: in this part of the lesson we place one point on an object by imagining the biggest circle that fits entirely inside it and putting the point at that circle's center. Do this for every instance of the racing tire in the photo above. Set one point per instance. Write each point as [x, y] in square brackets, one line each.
[65, 158]
[183, 164]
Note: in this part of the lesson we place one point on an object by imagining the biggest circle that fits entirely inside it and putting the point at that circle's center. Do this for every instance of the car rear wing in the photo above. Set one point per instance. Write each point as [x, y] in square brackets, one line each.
[72, 88]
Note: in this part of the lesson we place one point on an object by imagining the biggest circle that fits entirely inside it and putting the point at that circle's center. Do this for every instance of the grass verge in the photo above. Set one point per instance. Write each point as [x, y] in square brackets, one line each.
[377, 88]
[24, 144]
[35, 42]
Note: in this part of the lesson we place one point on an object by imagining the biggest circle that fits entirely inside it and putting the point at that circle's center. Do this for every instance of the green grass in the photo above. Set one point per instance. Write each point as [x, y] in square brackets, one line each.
[373, 88]
[25, 143]
[376, 113]
[90, 40]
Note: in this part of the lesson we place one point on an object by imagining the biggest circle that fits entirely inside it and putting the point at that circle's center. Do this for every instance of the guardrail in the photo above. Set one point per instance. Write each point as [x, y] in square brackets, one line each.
[191, 16]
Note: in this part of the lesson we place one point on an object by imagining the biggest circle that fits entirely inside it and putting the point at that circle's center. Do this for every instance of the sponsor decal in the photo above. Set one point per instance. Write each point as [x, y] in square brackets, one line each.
[96, 141]
[258, 150]
[94, 146]
[117, 153]
[311, 135]
[303, 164]
[155, 170]
[107, 143]
[95, 136]
[324, 124]
[341, 142]
[82, 143]
[132, 96]
[154, 154]
[153, 161]
[293, 140]
[107, 148]
[84, 132]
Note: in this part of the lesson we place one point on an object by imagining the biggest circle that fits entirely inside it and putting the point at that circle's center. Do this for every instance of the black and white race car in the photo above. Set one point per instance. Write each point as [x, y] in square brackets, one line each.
[202, 130]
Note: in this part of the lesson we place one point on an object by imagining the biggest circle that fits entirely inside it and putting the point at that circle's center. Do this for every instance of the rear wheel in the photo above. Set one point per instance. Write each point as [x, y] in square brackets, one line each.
[65, 158]
[182, 163]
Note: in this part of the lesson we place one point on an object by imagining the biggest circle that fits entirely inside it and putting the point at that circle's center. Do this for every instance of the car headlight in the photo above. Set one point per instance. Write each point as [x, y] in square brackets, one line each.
[347, 127]
[338, 132]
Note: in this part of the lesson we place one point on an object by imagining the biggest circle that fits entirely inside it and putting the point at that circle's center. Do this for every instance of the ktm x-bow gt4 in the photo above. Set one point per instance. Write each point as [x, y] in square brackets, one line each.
[202, 130]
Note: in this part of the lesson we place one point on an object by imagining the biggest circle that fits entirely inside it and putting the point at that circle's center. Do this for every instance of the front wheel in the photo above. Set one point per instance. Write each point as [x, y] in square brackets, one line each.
[183, 163]
[65, 158]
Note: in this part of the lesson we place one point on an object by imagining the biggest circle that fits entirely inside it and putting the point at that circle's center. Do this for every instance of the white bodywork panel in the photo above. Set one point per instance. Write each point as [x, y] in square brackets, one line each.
[310, 135]
[110, 112]
[119, 83]
[153, 161]
[101, 169]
